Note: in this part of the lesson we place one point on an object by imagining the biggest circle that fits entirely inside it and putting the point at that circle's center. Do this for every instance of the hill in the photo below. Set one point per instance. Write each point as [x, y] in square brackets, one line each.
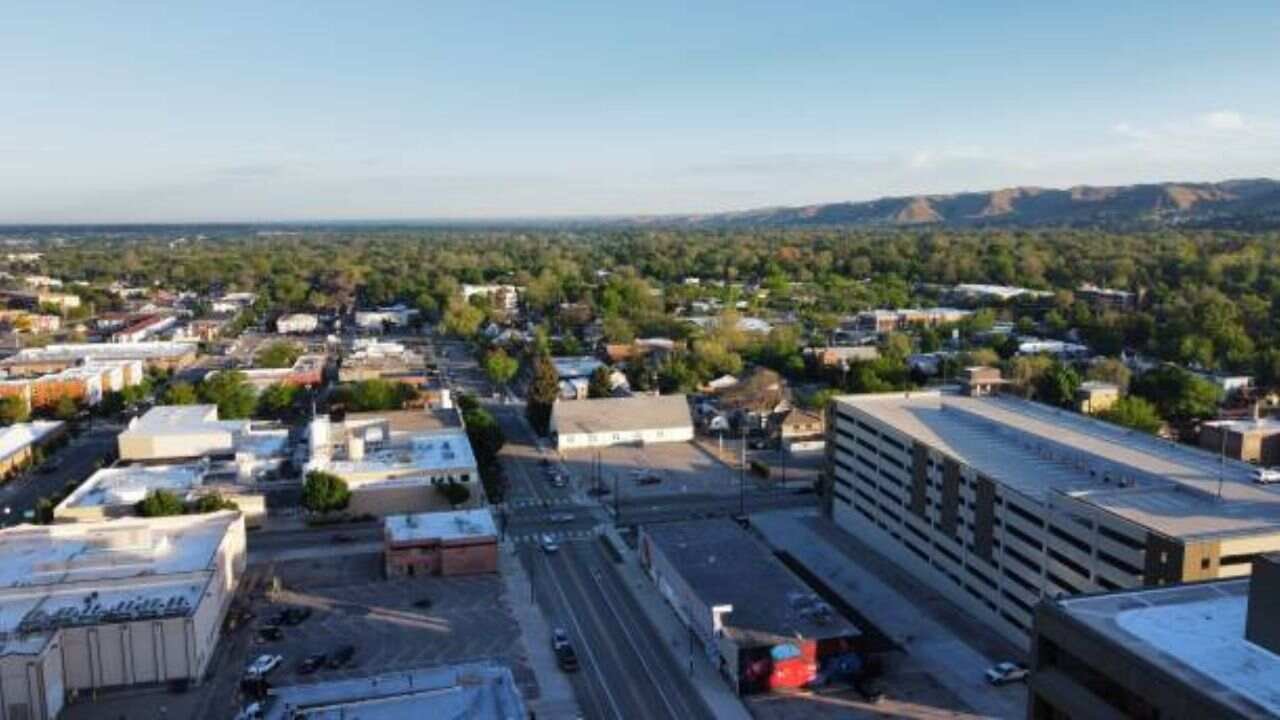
[1244, 204]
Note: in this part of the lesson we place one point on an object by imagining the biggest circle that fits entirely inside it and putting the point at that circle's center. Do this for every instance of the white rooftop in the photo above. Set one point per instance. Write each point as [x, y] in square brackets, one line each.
[575, 367]
[406, 453]
[476, 691]
[1038, 450]
[104, 351]
[130, 484]
[454, 525]
[1195, 631]
[19, 435]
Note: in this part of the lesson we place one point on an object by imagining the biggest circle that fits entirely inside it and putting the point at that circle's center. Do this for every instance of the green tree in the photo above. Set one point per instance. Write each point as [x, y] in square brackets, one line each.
[463, 319]
[600, 385]
[1111, 370]
[324, 492]
[1025, 372]
[13, 410]
[484, 433]
[543, 392]
[1134, 412]
[500, 367]
[160, 503]
[277, 401]
[1178, 395]
[1058, 385]
[231, 392]
[455, 493]
[279, 354]
[66, 408]
[374, 395]
[180, 393]
[213, 502]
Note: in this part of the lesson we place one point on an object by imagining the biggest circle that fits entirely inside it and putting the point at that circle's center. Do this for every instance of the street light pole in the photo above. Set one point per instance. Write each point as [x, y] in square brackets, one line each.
[742, 473]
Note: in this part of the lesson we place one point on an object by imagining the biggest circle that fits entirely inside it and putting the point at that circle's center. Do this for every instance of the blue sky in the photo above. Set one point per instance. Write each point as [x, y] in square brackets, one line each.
[151, 111]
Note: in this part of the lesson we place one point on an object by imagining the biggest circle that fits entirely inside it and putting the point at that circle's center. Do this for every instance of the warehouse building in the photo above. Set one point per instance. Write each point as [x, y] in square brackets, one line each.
[998, 502]
[168, 433]
[20, 441]
[462, 542]
[91, 606]
[758, 623]
[616, 421]
[1202, 650]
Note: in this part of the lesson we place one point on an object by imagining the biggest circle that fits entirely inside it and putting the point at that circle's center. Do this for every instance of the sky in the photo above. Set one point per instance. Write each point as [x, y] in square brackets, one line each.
[172, 112]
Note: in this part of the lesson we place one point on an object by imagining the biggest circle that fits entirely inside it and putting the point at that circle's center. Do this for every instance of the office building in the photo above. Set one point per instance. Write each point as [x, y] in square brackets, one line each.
[91, 606]
[1202, 650]
[461, 542]
[998, 502]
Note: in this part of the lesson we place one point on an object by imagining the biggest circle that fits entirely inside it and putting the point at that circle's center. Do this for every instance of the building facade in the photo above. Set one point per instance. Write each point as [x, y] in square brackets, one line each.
[602, 422]
[462, 542]
[998, 502]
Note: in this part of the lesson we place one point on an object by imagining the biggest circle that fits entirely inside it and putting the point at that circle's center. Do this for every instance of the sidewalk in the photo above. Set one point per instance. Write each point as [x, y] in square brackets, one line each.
[555, 694]
[713, 689]
[932, 647]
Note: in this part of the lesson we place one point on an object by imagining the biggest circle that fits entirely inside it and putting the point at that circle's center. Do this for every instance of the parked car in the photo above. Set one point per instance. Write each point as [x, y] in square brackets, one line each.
[549, 543]
[263, 665]
[1006, 672]
[423, 603]
[566, 658]
[1266, 476]
[344, 538]
[295, 616]
[312, 663]
[271, 633]
[562, 517]
[252, 711]
[342, 656]
[648, 479]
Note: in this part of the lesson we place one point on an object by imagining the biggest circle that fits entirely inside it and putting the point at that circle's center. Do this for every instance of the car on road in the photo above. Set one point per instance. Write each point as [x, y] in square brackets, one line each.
[549, 543]
[423, 603]
[341, 657]
[1266, 476]
[343, 538]
[561, 517]
[648, 479]
[263, 665]
[252, 711]
[271, 633]
[312, 663]
[566, 658]
[294, 616]
[1006, 672]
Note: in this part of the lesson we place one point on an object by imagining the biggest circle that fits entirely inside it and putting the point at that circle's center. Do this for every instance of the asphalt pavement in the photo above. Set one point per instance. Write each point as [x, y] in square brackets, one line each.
[78, 459]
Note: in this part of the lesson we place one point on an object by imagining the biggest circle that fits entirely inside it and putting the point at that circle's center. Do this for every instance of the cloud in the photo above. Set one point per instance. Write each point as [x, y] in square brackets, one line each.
[1223, 120]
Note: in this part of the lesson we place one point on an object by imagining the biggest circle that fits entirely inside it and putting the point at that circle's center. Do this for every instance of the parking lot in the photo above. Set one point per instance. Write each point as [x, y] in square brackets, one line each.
[393, 624]
[680, 468]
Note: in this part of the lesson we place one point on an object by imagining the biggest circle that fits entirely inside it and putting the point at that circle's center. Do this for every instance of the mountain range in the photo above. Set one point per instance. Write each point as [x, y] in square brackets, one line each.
[1242, 204]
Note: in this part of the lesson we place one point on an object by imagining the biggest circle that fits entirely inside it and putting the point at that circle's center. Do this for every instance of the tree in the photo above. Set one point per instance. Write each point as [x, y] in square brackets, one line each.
[1025, 371]
[500, 367]
[455, 493]
[1111, 370]
[543, 392]
[13, 409]
[160, 503]
[463, 319]
[1058, 385]
[66, 408]
[374, 395]
[1178, 395]
[180, 393]
[277, 401]
[1134, 412]
[279, 354]
[231, 392]
[600, 385]
[213, 502]
[484, 433]
[324, 492]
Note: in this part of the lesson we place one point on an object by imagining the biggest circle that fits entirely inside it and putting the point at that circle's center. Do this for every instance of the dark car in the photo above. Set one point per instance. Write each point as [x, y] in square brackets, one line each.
[423, 603]
[344, 538]
[312, 663]
[270, 633]
[648, 479]
[566, 658]
[295, 616]
[342, 656]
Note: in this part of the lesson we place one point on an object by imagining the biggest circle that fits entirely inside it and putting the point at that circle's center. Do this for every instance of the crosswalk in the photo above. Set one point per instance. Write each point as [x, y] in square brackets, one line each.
[522, 503]
[561, 536]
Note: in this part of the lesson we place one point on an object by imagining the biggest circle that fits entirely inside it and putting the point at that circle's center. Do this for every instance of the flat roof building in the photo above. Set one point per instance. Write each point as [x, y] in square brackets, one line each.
[761, 624]
[19, 441]
[476, 691]
[98, 605]
[614, 421]
[395, 464]
[54, 358]
[1254, 441]
[115, 492]
[997, 502]
[180, 432]
[461, 542]
[1203, 650]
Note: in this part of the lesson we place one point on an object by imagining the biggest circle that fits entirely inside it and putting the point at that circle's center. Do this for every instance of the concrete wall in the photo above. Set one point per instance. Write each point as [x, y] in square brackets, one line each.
[146, 446]
[469, 558]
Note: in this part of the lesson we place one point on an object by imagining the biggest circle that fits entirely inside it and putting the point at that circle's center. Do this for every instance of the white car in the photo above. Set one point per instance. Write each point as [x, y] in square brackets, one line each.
[252, 711]
[1006, 672]
[263, 665]
[1266, 476]
[549, 543]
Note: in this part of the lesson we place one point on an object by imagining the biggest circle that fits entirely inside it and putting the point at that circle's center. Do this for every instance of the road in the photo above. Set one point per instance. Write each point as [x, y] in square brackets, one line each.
[79, 458]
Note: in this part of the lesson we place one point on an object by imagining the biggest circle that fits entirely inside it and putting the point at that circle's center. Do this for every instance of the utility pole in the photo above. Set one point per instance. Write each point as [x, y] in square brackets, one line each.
[742, 473]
